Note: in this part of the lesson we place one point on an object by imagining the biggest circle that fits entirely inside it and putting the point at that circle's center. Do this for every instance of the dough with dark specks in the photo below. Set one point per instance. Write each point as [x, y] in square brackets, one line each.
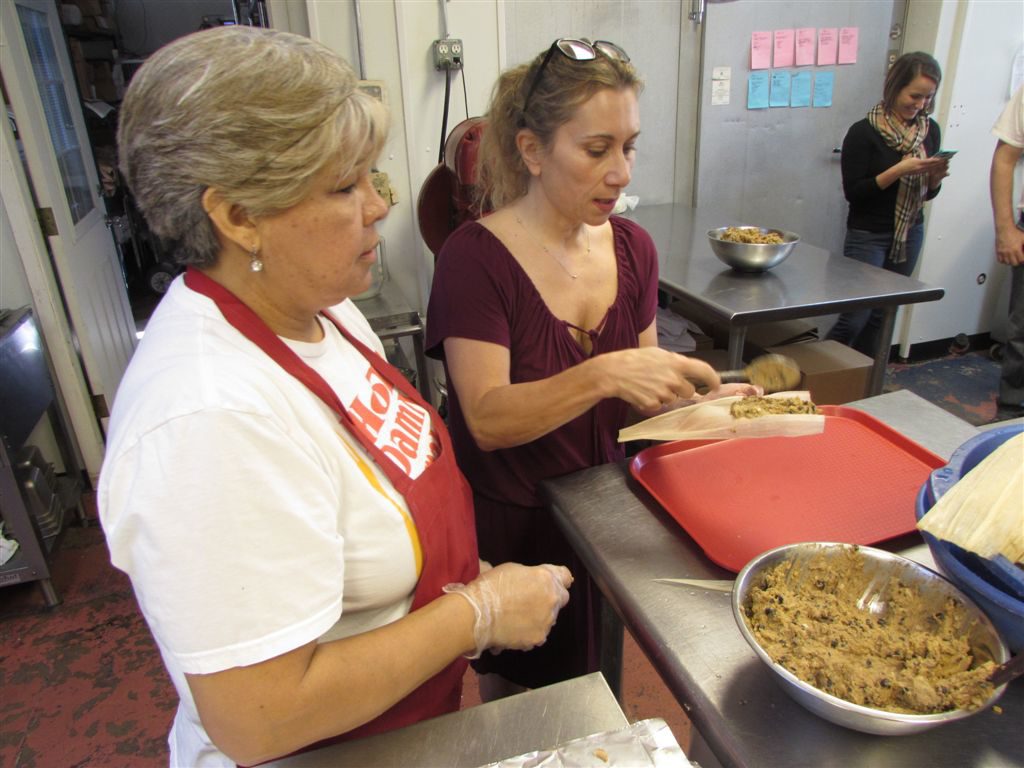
[897, 660]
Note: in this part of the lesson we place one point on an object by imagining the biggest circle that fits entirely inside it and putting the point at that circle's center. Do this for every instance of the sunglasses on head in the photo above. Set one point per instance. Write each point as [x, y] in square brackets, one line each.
[577, 50]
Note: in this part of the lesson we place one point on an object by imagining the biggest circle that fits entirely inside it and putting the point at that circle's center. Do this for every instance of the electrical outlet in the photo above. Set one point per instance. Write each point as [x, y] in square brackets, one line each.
[447, 54]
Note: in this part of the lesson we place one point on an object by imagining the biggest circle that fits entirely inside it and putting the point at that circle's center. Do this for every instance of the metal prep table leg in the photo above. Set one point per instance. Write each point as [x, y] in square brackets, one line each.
[611, 642]
[737, 338]
[422, 377]
[877, 380]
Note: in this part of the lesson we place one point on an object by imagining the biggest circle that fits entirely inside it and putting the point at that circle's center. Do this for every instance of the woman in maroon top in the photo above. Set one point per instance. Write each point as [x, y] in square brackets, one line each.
[544, 315]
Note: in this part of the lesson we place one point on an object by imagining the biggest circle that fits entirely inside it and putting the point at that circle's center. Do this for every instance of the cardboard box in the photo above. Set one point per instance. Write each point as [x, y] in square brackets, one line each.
[106, 90]
[703, 342]
[103, 82]
[779, 332]
[833, 373]
[716, 358]
[759, 337]
[83, 72]
[89, 7]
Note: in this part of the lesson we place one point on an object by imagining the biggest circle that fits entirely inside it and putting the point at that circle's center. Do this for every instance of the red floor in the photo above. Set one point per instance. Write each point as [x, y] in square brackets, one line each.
[83, 685]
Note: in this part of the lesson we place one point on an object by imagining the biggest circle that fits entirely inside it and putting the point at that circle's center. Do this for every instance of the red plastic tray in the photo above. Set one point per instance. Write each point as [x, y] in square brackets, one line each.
[856, 483]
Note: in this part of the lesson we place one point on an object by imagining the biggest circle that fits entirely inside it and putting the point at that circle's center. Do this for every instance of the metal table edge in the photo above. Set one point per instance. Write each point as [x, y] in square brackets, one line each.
[684, 695]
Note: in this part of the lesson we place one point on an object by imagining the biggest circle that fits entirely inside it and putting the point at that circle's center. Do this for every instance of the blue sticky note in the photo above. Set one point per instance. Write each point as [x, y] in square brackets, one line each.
[757, 90]
[800, 93]
[780, 88]
[823, 82]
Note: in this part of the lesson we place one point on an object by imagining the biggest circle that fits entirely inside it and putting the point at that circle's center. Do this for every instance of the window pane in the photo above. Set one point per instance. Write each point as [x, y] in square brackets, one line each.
[50, 82]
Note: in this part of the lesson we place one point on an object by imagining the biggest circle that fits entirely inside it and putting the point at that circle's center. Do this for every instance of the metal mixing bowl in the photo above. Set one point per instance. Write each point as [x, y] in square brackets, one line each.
[752, 257]
[985, 641]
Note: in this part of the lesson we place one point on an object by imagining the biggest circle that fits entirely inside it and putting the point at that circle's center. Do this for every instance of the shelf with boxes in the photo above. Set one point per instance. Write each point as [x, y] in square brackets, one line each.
[91, 30]
[91, 16]
[102, 71]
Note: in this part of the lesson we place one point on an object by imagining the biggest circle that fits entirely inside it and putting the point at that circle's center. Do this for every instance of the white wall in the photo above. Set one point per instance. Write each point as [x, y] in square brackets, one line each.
[975, 40]
[397, 38]
[397, 44]
[649, 31]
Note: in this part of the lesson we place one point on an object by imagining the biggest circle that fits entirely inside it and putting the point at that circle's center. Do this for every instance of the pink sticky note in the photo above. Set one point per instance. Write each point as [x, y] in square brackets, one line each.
[805, 46]
[760, 50]
[848, 45]
[827, 46]
[783, 48]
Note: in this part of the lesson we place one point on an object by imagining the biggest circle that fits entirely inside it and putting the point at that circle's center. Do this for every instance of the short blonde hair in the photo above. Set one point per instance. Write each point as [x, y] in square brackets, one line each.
[564, 86]
[253, 113]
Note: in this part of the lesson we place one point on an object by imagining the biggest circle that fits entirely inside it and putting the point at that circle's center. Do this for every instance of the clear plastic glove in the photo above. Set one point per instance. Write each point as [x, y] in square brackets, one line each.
[515, 605]
[724, 390]
[732, 390]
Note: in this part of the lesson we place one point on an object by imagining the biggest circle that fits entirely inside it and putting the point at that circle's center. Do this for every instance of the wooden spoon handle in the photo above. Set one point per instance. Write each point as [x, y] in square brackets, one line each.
[734, 377]
[1004, 673]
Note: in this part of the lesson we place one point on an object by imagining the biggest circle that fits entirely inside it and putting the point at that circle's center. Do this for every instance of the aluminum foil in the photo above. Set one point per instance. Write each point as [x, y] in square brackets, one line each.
[645, 743]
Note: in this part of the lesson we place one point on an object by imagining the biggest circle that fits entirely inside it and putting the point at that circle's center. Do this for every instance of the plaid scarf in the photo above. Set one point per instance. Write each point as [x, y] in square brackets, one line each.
[907, 140]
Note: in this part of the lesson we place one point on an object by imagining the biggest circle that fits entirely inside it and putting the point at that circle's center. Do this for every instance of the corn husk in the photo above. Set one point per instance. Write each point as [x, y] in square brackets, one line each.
[711, 420]
[984, 512]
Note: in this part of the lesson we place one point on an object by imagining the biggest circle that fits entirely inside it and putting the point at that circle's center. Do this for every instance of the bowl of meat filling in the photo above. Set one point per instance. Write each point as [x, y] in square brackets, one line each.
[752, 249]
[867, 639]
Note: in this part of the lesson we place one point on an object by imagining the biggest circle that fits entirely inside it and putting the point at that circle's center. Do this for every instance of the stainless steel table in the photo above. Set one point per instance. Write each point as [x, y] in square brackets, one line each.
[391, 317]
[538, 719]
[810, 282]
[625, 540]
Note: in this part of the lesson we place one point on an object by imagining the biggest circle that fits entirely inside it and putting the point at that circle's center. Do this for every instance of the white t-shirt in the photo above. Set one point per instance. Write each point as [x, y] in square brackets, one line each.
[249, 522]
[1009, 128]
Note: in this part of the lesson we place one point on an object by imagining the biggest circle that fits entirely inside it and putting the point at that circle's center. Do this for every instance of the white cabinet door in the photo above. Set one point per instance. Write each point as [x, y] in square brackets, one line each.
[38, 76]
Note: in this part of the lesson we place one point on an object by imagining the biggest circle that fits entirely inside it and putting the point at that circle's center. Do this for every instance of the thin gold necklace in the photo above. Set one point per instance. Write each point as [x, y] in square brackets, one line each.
[558, 261]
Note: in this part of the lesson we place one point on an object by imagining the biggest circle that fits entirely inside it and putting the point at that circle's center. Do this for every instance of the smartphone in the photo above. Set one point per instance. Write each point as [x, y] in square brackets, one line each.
[944, 154]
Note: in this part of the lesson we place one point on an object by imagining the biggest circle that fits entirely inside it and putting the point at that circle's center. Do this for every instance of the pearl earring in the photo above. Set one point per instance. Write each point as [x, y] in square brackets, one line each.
[255, 262]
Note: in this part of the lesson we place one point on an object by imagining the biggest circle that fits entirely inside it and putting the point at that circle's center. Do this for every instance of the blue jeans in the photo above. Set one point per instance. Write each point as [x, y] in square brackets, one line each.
[859, 328]
[1011, 381]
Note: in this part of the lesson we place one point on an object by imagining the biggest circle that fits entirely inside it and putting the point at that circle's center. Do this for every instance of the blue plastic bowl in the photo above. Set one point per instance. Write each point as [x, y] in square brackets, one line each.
[997, 586]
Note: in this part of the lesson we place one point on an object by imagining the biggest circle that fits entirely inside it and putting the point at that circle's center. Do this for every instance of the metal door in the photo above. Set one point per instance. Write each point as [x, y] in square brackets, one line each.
[777, 167]
[38, 76]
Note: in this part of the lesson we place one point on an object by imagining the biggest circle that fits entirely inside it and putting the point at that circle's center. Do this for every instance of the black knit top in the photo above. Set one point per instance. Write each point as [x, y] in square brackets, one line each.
[865, 155]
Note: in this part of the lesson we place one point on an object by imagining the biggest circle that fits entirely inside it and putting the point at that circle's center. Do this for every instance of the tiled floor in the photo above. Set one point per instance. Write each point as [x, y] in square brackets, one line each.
[965, 385]
[83, 684]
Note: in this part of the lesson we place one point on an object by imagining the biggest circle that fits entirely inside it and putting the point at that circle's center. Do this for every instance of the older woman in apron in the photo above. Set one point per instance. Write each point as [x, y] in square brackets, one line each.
[287, 506]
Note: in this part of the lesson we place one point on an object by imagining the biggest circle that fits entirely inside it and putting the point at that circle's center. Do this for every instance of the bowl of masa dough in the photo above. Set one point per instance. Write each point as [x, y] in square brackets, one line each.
[867, 639]
[752, 249]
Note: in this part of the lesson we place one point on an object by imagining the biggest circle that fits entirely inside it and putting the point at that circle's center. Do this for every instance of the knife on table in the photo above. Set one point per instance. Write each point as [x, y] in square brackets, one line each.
[718, 585]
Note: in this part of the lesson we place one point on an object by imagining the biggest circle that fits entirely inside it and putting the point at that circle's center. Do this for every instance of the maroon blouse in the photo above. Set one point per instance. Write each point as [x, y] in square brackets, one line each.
[481, 292]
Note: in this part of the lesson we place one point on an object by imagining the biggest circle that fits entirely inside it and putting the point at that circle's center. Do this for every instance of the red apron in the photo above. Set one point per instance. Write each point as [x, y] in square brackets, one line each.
[439, 500]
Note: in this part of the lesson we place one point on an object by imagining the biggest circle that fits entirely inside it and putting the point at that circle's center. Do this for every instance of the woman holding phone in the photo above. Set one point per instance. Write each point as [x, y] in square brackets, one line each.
[891, 165]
